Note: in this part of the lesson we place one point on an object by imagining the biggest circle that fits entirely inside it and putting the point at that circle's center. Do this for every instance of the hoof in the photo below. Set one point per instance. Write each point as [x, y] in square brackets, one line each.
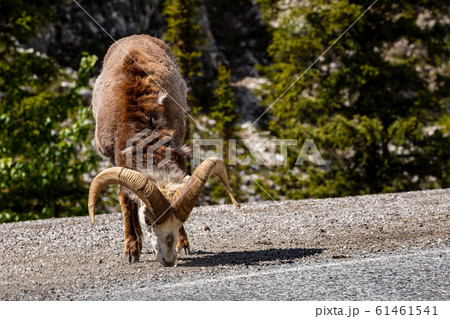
[184, 246]
[133, 258]
[132, 253]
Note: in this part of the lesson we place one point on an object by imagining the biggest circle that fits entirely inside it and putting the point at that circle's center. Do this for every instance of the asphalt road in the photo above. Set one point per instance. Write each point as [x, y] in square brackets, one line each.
[410, 276]
[377, 247]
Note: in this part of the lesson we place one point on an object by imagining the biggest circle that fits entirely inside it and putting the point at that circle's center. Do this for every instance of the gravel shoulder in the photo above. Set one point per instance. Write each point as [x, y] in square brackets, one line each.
[289, 250]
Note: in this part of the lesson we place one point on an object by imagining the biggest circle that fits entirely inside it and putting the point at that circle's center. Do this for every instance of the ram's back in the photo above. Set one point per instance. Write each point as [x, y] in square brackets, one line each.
[139, 88]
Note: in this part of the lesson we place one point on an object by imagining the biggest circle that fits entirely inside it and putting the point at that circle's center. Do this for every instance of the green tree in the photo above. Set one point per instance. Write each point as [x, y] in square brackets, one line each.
[224, 109]
[224, 113]
[185, 37]
[44, 129]
[375, 103]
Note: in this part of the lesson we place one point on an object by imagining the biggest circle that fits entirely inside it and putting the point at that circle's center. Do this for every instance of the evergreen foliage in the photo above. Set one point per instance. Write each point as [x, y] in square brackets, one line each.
[184, 35]
[226, 118]
[44, 129]
[375, 104]
[224, 110]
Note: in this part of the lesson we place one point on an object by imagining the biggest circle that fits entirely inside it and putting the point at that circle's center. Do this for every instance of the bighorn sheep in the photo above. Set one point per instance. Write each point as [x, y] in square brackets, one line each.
[140, 92]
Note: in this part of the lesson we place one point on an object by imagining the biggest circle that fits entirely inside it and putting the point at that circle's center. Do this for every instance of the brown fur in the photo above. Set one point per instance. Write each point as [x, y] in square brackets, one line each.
[127, 99]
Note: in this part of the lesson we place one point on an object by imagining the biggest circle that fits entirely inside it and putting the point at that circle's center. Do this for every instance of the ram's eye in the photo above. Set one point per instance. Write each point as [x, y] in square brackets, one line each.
[147, 221]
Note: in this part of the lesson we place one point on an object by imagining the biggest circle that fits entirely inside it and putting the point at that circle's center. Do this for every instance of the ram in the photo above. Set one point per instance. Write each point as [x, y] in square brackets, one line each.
[139, 105]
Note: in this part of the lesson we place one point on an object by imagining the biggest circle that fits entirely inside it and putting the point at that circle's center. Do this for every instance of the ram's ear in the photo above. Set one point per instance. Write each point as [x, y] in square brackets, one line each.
[161, 97]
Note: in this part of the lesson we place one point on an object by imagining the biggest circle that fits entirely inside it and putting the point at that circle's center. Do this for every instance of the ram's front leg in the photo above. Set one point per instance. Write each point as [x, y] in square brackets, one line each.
[182, 242]
[133, 232]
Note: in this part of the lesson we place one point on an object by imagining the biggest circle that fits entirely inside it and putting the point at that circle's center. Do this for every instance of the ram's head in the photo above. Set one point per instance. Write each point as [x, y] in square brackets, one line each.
[163, 216]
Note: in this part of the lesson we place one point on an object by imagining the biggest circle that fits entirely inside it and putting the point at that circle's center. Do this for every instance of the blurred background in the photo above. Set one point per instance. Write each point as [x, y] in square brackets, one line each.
[376, 103]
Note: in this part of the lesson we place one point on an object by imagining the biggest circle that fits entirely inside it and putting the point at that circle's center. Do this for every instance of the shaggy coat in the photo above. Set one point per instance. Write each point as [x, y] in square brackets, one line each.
[140, 90]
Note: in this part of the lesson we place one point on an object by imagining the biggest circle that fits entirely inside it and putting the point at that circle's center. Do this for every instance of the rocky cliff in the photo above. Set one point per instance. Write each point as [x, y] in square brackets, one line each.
[235, 35]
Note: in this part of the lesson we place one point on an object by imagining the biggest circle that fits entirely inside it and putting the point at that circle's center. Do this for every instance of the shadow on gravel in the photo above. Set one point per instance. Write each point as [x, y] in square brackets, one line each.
[254, 257]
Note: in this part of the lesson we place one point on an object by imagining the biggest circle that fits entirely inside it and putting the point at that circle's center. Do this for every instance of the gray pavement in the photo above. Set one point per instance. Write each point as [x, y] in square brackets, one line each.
[375, 247]
[419, 275]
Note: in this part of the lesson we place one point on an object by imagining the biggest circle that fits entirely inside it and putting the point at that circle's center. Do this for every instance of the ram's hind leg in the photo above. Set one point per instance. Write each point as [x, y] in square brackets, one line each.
[133, 232]
[183, 242]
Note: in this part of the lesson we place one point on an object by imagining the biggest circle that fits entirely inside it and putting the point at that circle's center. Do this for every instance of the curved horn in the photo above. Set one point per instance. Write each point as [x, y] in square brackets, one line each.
[136, 182]
[186, 197]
